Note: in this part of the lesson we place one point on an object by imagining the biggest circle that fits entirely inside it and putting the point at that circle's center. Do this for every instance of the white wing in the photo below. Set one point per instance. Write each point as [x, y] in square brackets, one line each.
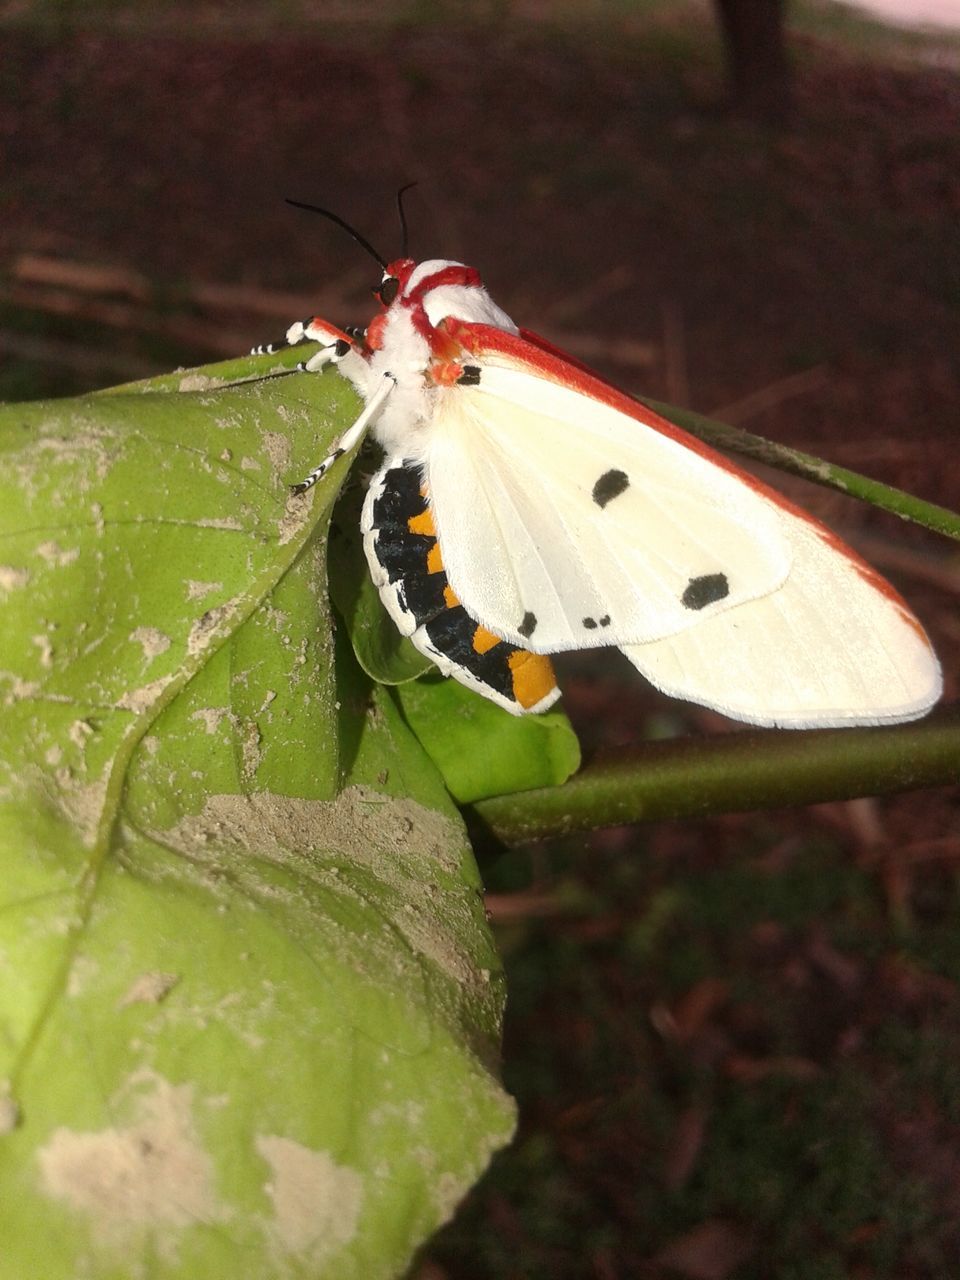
[833, 646]
[564, 523]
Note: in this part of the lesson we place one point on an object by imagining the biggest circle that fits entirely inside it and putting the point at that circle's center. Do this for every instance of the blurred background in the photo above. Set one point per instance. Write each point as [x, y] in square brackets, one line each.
[735, 1044]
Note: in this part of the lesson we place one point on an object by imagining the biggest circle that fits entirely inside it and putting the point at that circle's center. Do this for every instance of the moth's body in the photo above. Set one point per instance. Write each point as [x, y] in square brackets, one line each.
[404, 422]
[406, 352]
[548, 511]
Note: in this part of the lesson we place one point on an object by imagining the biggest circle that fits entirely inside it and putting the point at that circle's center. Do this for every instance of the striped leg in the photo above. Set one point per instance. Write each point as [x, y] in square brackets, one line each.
[353, 435]
[312, 330]
[338, 346]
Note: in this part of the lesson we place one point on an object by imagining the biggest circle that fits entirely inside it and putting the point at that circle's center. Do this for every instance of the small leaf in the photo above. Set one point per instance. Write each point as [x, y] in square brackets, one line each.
[249, 1017]
[482, 750]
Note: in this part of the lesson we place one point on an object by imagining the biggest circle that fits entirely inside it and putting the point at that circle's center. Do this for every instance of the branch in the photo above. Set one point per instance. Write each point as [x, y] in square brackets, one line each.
[732, 773]
[884, 496]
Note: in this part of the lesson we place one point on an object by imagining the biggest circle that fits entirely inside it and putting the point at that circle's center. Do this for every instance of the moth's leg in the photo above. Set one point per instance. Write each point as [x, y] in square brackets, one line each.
[278, 344]
[338, 346]
[350, 437]
[313, 329]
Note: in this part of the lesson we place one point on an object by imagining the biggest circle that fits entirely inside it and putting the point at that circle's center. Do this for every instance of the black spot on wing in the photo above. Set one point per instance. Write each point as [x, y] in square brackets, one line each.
[609, 486]
[528, 625]
[591, 624]
[707, 589]
[470, 376]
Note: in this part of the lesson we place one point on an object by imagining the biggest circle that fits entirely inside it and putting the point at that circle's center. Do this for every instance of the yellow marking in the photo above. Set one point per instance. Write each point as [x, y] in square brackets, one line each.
[450, 597]
[484, 640]
[434, 559]
[423, 523]
[533, 677]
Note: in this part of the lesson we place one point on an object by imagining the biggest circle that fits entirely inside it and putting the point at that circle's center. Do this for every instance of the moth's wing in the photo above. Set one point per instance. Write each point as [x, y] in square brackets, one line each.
[716, 588]
[566, 522]
[833, 646]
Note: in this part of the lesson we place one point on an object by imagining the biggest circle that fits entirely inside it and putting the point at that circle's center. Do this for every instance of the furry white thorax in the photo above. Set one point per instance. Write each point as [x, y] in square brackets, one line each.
[405, 354]
[404, 422]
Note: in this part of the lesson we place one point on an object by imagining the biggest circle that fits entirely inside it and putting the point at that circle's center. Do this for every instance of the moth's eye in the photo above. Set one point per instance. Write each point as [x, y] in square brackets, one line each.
[388, 290]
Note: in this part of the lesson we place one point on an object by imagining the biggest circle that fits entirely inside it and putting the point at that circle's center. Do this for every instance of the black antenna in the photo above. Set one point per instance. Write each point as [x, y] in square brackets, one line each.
[351, 231]
[403, 217]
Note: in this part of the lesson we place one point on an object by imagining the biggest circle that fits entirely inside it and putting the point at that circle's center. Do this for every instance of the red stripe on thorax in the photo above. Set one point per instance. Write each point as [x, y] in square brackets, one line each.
[457, 275]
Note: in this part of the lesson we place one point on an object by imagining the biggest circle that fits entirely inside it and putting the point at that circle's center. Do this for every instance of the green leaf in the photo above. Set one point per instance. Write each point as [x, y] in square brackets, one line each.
[249, 1011]
[482, 750]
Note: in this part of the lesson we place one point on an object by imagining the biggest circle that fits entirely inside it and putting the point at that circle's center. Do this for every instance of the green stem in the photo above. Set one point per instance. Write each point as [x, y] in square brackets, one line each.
[734, 772]
[733, 440]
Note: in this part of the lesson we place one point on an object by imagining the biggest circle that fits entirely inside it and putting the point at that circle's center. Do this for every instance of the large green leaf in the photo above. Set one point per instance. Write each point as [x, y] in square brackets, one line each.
[249, 1006]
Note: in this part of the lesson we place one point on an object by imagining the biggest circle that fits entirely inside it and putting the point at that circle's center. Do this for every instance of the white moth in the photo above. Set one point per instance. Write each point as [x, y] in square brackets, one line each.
[526, 507]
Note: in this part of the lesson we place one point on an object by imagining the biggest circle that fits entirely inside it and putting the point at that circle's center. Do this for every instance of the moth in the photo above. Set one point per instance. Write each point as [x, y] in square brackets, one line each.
[525, 507]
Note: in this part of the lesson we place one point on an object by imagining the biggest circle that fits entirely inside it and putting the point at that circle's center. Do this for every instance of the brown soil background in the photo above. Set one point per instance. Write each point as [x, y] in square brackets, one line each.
[805, 284]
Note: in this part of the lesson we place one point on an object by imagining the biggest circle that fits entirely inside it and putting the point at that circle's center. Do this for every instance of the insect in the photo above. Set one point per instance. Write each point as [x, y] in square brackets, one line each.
[526, 507]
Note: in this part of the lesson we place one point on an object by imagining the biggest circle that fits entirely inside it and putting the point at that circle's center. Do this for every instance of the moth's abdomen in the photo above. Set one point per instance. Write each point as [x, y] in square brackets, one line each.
[407, 567]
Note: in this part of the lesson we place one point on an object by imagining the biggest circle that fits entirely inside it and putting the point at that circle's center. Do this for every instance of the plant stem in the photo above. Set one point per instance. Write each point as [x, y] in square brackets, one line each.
[884, 496]
[734, 772]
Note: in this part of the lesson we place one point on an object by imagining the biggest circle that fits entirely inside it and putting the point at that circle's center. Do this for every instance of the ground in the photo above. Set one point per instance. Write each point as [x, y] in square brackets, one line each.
[734, 1043]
